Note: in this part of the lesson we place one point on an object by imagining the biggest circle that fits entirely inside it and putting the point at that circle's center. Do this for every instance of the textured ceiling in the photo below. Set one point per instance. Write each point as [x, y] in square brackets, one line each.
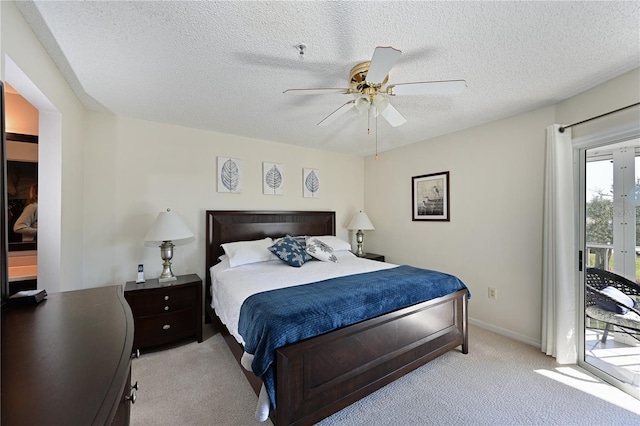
[223, 66]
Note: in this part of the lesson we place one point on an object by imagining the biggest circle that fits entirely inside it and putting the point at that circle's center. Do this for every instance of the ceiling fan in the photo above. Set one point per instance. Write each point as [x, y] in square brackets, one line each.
[367, 79]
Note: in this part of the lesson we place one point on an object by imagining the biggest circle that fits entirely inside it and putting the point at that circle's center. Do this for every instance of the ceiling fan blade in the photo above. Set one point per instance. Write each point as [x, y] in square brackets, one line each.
[445, 87]
[323, 91]
[393, 116]
[384, 58]
[337, 113]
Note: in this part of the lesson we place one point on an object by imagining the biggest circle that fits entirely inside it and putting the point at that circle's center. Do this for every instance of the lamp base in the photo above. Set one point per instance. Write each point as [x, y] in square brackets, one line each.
[359, 240]
[166, 253]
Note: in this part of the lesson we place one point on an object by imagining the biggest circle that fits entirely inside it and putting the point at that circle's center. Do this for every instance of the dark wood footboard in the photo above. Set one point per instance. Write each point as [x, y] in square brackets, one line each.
[320, 376]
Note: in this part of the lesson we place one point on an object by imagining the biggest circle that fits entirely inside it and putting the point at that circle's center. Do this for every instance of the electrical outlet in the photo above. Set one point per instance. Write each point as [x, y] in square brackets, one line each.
[493, 293]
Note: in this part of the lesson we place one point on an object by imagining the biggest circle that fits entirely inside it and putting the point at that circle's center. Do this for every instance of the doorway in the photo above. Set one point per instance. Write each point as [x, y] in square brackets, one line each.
[49, 165]
[21, 178]
[610, 240]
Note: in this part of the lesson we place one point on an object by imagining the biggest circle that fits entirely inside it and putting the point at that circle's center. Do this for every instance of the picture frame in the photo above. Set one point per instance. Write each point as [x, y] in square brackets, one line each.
[272, 178]
[311, 183]
[430, 197]
[229, 175]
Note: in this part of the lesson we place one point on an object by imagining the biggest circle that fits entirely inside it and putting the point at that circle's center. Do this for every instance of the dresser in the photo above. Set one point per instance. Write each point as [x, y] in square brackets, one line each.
[67, 360]
[165, 312]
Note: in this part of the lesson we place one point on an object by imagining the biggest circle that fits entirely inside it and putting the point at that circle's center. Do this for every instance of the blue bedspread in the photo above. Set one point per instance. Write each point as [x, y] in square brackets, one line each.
[276, 318]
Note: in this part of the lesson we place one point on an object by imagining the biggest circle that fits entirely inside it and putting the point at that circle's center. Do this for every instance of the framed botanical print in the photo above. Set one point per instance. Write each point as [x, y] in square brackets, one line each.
[229, 175]
[430, 197]
[272, 179]
[310, 183]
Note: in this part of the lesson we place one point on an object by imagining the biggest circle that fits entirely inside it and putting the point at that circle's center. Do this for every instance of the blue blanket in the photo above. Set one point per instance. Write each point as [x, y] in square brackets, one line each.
[275, 318]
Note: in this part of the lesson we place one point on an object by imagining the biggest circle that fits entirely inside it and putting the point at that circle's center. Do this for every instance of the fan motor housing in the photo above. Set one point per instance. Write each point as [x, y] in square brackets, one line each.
[359, 79]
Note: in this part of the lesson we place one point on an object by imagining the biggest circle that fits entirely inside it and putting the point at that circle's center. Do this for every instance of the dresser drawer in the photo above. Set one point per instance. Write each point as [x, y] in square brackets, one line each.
[164, 328]
[161, 300]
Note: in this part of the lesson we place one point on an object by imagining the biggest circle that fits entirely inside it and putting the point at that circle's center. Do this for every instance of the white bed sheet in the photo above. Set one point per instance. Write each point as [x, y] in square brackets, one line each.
[231, 286]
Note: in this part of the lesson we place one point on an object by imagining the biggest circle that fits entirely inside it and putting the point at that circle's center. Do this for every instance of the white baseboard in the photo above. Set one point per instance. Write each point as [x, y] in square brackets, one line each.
[505, 332]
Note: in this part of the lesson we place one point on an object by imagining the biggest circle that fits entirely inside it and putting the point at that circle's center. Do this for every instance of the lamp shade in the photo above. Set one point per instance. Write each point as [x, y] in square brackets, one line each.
[380, 103]
[168, 227]
[362, 104]
[361, 222]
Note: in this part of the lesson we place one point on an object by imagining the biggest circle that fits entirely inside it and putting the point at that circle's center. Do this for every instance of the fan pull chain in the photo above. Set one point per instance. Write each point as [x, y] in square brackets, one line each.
[369, 121]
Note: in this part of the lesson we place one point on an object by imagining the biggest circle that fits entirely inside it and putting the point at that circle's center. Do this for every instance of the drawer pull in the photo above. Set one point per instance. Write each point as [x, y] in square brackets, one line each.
[166, 327]
[131, 398]
[135, 386]
[166, 298]
[166, 308]
[136, 354]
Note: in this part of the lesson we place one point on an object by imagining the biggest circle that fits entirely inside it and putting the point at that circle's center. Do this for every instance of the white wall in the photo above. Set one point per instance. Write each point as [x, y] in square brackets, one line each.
[134, 169]
[494, 238]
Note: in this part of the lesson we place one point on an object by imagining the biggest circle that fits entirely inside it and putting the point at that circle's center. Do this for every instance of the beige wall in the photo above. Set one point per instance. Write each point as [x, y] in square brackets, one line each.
[134, 169]
[610, 96]
[494, 238]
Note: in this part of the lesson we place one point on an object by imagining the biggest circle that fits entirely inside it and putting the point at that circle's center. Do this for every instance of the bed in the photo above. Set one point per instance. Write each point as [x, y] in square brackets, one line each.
[321, 375]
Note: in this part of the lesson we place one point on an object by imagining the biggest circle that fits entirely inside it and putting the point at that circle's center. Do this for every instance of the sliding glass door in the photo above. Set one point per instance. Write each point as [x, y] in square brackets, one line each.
[610, 231]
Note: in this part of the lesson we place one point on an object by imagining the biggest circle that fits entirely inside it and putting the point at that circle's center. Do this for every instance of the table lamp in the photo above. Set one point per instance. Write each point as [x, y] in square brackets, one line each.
[168, 228]
[361, 223]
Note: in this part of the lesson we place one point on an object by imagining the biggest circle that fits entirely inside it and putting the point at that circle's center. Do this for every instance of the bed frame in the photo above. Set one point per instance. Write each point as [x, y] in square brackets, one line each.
[322, 375]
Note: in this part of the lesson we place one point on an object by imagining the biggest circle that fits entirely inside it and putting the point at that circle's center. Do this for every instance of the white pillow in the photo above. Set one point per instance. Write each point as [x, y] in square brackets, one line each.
[244, 252]
[334, 242]
[320, 250]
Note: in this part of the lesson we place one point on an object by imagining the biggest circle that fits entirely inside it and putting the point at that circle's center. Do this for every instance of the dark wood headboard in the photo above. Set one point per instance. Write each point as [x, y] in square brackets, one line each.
[224, 226]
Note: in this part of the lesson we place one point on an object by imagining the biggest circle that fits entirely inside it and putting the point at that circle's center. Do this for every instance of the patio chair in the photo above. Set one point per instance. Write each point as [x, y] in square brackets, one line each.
[601, 306]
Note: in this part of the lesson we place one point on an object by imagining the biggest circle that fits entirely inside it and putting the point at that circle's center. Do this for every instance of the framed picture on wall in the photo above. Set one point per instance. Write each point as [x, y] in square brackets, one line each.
[229, 175]
[430, 197]
[310, 183]
[272, 179]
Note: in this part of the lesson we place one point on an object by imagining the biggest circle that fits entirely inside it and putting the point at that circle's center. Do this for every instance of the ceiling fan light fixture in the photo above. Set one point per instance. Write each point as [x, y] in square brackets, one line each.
[362, 104]
[380, 103]
[367, 80]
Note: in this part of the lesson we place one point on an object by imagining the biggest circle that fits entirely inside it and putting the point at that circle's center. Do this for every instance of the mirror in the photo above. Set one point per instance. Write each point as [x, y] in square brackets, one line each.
[22, 172]
[4, 270]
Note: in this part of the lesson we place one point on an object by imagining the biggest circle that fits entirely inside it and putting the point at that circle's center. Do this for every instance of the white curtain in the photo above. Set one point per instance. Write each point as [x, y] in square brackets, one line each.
[559, 334]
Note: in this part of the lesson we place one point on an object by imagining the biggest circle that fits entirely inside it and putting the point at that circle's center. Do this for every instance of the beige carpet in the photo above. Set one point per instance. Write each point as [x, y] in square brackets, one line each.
[500, 382]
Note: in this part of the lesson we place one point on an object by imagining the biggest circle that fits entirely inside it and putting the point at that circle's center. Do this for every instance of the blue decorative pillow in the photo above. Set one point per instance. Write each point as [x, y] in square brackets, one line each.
[289, 251]
[619, 297]
[300, 239]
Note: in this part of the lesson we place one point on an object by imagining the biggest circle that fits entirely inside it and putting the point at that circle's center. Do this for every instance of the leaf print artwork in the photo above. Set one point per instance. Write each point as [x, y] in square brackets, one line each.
[273, 179]
[229, 175]
[311, 183]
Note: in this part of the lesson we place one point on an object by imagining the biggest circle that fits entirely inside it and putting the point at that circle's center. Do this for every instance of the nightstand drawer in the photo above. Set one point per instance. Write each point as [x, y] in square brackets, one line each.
[159, 329]
[161, 300]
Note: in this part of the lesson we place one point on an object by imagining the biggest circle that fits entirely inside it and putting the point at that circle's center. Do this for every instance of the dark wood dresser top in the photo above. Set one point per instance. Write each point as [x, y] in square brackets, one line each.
[65, 361]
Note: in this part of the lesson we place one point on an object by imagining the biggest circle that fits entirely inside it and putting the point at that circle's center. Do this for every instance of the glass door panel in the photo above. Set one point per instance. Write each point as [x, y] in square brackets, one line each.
[612, 243]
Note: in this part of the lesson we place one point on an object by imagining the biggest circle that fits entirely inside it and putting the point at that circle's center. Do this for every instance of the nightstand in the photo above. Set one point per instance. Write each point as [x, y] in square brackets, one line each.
[373, 256]
[165, 312]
